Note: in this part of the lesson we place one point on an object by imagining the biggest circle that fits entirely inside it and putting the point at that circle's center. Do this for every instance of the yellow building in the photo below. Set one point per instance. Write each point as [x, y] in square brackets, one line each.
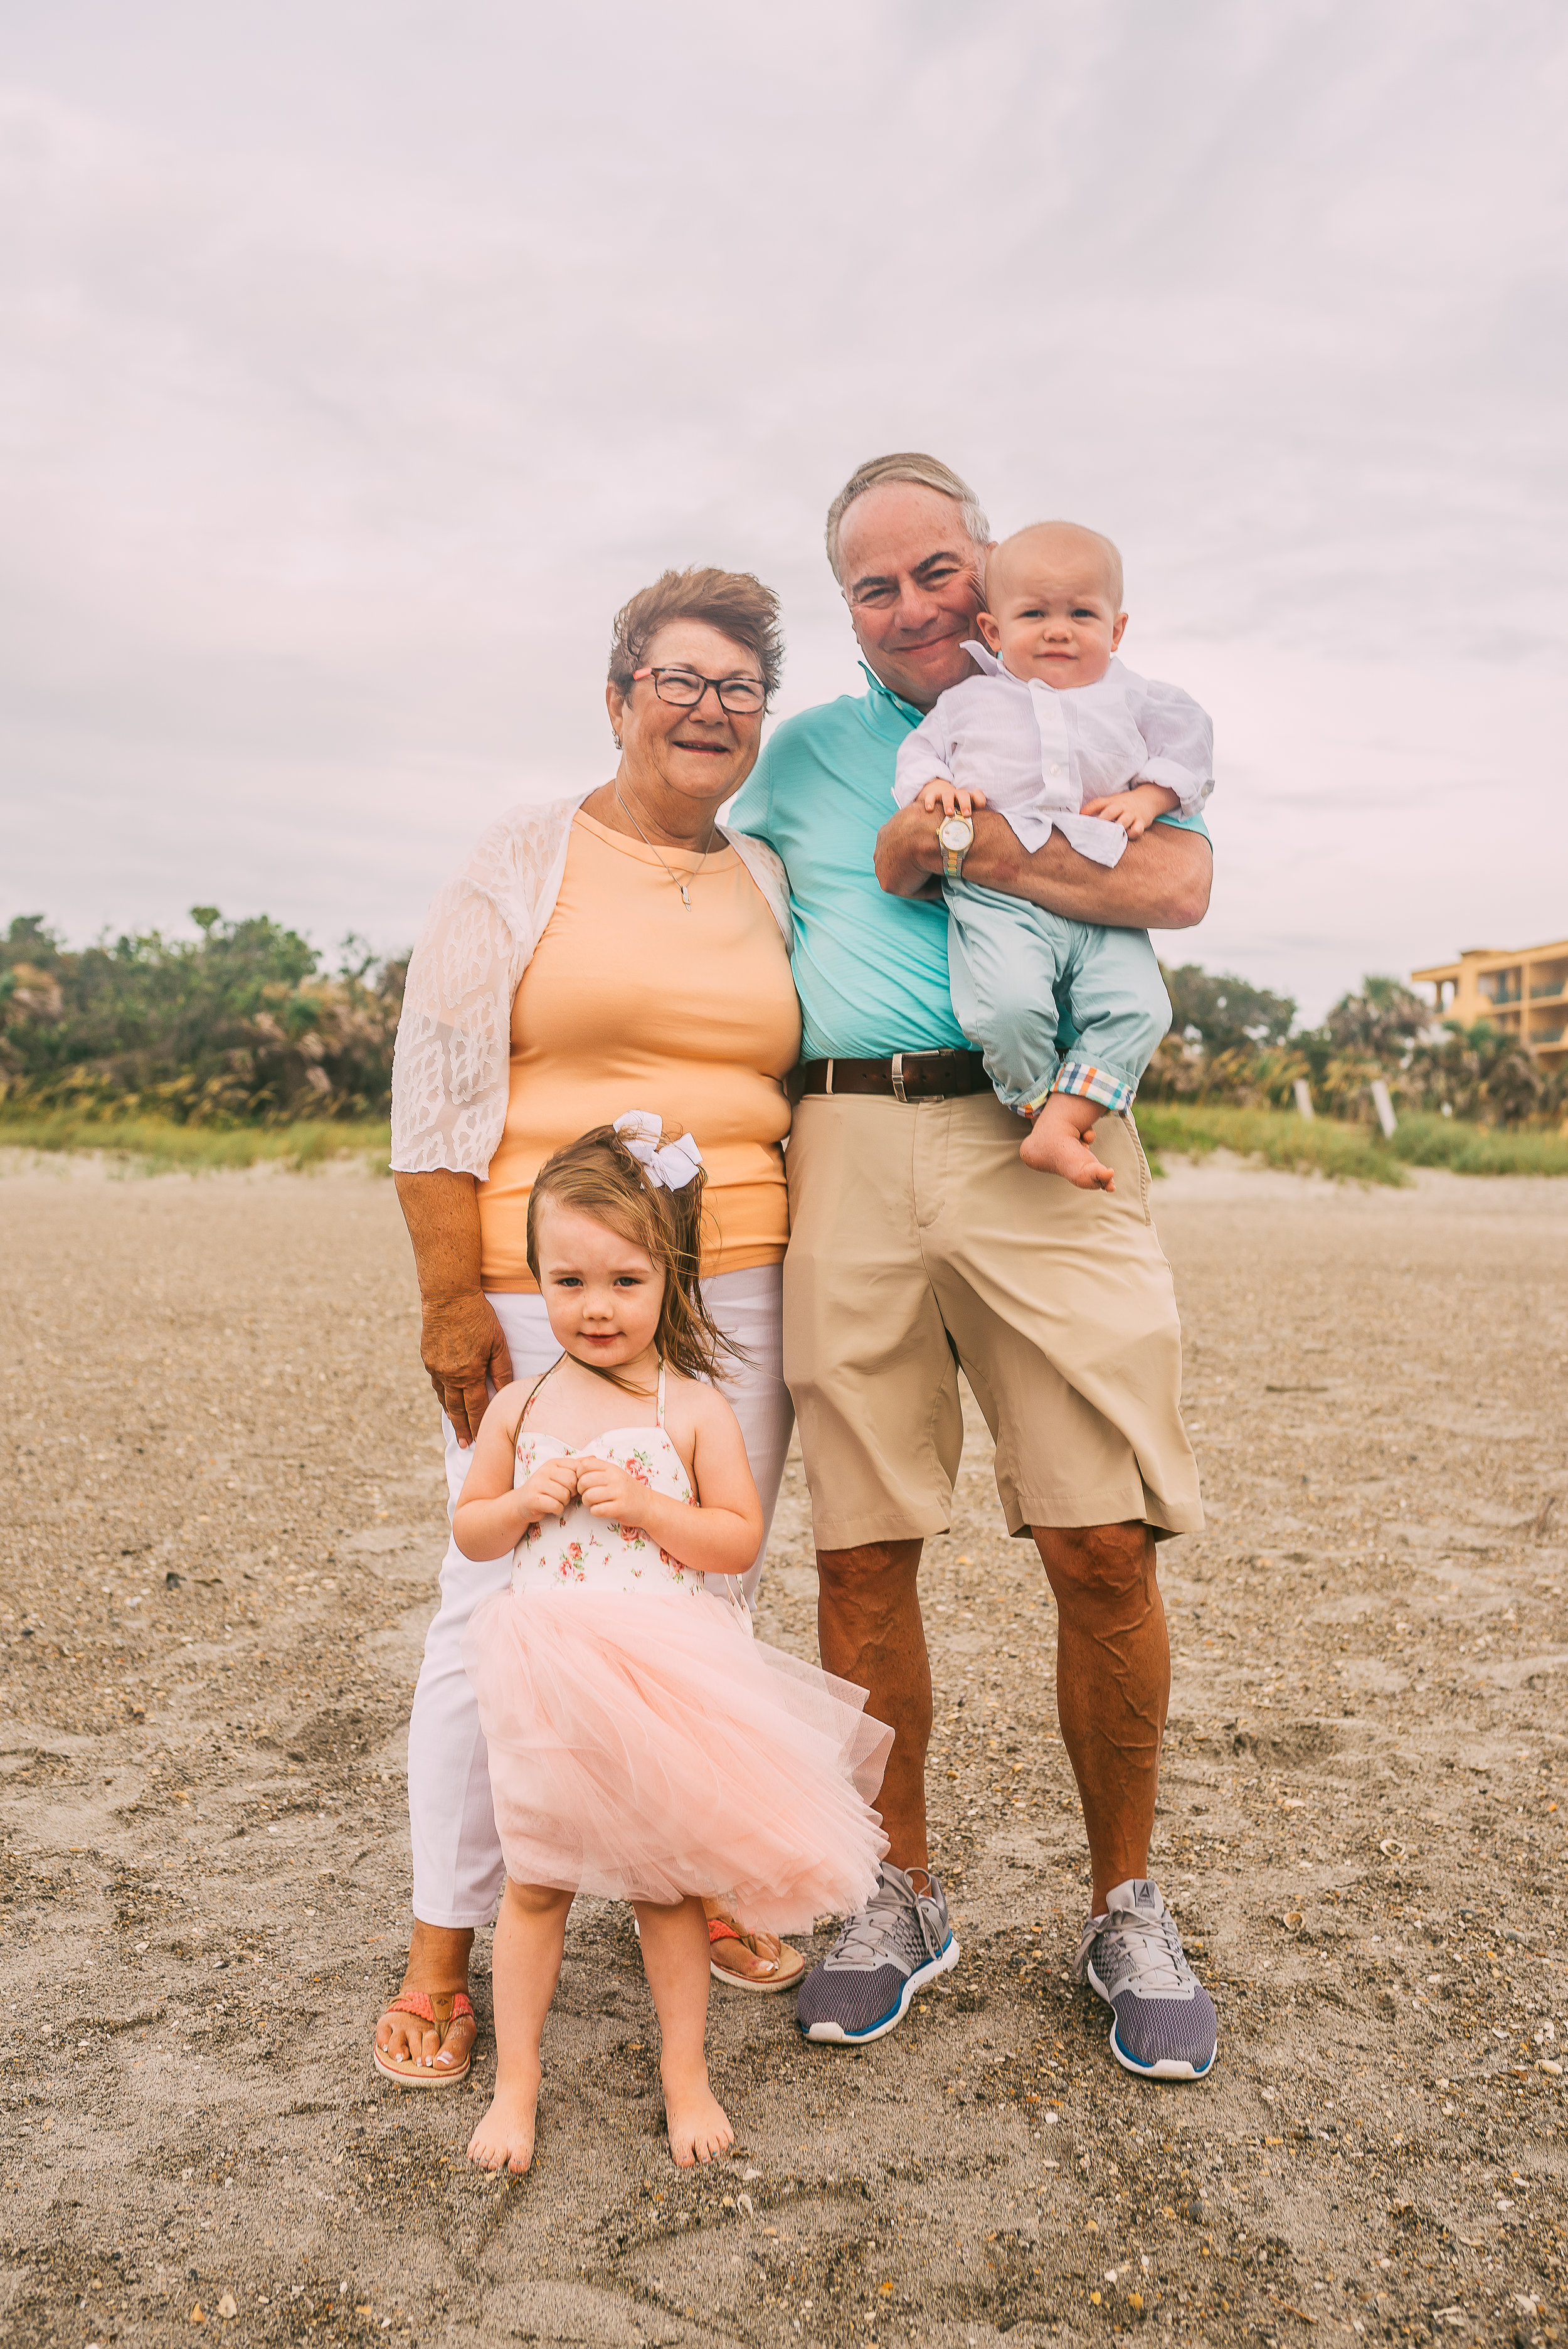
[1524, 992]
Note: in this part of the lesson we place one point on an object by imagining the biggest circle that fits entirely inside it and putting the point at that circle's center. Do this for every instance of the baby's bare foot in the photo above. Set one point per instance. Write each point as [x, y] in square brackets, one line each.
[504, 2137]
[1054, 1147]
[697, 2123]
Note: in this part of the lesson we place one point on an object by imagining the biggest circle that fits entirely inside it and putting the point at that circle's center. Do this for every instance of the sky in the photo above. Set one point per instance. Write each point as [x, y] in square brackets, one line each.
[358, 358]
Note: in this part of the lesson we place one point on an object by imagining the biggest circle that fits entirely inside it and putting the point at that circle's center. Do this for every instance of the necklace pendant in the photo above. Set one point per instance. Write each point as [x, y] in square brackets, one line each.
[686, 897]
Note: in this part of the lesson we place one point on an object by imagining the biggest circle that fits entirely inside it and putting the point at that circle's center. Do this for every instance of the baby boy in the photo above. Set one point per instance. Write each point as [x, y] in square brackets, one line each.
[1056, 733]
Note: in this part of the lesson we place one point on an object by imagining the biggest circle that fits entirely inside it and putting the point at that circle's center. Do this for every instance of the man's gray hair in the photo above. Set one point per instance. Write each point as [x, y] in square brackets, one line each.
[927, 473]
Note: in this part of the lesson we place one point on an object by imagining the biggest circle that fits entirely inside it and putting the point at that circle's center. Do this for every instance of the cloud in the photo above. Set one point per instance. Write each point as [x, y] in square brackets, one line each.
[359, 361]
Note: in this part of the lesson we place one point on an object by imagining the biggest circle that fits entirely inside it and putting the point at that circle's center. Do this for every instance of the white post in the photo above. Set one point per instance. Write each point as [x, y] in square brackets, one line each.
[1384, 1107]
[1304, 1098]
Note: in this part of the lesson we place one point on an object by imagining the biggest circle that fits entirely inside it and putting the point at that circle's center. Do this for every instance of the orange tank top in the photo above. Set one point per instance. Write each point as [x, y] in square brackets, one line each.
[634, 1001]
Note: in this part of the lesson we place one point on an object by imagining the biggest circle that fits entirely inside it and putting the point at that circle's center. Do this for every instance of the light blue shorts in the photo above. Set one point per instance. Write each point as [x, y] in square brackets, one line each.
[1013, 970]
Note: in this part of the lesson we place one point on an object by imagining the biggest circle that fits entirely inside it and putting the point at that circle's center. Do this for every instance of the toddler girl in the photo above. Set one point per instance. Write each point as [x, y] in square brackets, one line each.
[642, 1746]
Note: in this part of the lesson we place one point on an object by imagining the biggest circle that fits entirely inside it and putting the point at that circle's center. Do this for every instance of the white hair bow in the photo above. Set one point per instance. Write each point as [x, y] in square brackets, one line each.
[669, 1165]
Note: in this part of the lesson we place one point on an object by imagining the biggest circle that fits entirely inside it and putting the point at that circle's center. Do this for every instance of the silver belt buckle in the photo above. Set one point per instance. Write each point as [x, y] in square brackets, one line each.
[828, 1083]
[898, 1092]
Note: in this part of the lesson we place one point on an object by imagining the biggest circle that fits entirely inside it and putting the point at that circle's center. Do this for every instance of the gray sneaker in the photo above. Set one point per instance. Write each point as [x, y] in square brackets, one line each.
[890, 1948]
[1165, 2027]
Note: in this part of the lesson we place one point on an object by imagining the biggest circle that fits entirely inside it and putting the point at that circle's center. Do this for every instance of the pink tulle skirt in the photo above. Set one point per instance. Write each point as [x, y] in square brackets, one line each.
[643, 1747]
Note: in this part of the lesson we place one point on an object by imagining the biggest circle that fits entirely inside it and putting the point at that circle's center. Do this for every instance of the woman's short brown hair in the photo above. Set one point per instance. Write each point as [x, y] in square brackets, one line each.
[733, 602]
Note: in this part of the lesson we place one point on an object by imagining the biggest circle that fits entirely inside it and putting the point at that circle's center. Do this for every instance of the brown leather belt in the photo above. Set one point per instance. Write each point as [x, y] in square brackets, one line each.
[906, 1077]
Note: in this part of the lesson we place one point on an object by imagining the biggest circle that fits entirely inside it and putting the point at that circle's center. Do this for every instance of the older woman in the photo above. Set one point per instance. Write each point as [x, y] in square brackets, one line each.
[599, 952]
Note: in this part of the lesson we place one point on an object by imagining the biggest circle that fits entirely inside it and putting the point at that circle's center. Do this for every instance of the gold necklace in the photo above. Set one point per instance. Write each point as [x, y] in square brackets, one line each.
[674, 876]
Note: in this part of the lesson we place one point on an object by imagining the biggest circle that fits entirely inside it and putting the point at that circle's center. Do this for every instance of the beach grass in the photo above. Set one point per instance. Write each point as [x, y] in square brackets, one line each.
[158, 1145]
[1423, 1140]
[1348, 1154]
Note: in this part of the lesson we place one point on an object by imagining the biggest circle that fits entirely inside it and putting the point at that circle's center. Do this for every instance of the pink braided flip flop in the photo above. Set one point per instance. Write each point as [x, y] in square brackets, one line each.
[440, 2012]
[788, 1968]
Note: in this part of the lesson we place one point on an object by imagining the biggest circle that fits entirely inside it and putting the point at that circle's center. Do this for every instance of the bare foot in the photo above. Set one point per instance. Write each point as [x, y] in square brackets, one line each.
[1055, 1147]
[697, 2123]
[504, 2138]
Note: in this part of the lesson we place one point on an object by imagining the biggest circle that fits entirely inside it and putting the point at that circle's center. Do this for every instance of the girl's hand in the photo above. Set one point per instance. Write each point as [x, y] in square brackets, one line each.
[548, 1491]
[607, 1491]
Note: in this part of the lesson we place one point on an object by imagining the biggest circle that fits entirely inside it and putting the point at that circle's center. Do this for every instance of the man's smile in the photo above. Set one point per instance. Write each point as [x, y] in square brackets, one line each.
[917, 644]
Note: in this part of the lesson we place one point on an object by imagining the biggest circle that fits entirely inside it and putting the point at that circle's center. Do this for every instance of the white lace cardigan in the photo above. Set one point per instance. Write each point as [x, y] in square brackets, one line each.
[453, 1062]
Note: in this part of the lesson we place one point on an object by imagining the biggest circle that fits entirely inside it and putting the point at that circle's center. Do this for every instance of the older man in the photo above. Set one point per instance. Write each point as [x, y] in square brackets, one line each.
[919, 1242]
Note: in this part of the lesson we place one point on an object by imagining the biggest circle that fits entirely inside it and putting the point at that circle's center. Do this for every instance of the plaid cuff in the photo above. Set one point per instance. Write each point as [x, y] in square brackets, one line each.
[1095, 1084]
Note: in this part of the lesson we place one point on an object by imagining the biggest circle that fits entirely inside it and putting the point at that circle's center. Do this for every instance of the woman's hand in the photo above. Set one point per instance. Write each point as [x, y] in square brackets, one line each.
[548, 1492]
[463, 1349]
[460, 1340]
[607, 1491]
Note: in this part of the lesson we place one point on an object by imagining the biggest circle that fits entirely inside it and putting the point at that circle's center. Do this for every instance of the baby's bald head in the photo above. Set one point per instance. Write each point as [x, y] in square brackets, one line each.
[1063, 551]
[1053, 597]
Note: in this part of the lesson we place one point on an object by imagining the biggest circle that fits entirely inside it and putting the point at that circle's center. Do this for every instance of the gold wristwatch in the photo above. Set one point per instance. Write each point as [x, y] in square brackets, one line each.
[955, 834]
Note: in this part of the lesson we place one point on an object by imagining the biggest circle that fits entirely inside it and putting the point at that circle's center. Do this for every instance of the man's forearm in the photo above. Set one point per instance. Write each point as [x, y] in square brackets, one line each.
[1161, 883]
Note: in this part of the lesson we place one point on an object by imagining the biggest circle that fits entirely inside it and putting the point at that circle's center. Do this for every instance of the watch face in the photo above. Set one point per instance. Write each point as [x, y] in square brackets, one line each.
[956, 833]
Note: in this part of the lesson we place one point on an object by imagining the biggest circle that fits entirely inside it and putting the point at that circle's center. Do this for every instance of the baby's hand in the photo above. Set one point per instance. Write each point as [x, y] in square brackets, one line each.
[548, 1491]
[608, 1492]
[1134, 810]
[940, 792]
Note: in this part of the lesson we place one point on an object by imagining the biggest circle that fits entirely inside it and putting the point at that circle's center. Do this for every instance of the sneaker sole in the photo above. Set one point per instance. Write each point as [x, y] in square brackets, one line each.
[833, 2034]
[1169, 2067]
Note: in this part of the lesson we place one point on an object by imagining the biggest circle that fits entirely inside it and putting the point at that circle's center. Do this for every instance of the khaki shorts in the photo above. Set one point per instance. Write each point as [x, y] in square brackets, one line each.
[920, 1241]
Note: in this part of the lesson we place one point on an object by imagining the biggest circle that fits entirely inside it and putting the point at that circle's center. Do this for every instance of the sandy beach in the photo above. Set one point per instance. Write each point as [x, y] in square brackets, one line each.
[224, 1518]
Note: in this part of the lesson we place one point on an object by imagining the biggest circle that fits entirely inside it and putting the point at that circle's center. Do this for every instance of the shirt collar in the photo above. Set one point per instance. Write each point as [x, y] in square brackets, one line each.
[884, 700]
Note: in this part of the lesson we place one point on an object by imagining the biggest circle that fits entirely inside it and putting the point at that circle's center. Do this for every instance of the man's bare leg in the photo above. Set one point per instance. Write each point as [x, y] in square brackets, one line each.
[870, 1631]
[1113, 1690]
[437, 1962]
[1113, 1686]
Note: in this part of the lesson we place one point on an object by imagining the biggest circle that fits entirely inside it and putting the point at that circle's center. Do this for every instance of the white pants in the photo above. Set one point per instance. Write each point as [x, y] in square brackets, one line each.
[457, 1869]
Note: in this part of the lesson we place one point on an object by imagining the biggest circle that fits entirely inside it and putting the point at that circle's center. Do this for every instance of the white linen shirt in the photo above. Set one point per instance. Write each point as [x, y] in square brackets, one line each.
[1037, 751]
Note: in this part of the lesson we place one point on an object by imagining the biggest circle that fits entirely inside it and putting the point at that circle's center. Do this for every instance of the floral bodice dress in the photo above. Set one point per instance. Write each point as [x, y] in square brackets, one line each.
[597, 1553]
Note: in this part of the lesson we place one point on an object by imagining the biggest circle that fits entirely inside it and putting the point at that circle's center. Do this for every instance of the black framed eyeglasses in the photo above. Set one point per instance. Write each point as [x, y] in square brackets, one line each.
[742, 697]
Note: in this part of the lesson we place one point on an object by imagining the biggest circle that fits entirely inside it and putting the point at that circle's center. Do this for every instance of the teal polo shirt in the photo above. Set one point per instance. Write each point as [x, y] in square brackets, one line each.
[870, 970]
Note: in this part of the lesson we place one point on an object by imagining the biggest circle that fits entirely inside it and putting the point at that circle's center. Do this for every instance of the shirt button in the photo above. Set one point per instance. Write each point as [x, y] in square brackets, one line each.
[1055, 770]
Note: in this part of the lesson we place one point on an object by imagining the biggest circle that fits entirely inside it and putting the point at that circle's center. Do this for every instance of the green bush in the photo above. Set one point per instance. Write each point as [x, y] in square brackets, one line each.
[1235, 1043]
[237, 1026]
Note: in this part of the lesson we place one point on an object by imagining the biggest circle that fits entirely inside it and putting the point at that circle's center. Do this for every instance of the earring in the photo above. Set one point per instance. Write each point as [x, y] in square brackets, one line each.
[614, 738]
